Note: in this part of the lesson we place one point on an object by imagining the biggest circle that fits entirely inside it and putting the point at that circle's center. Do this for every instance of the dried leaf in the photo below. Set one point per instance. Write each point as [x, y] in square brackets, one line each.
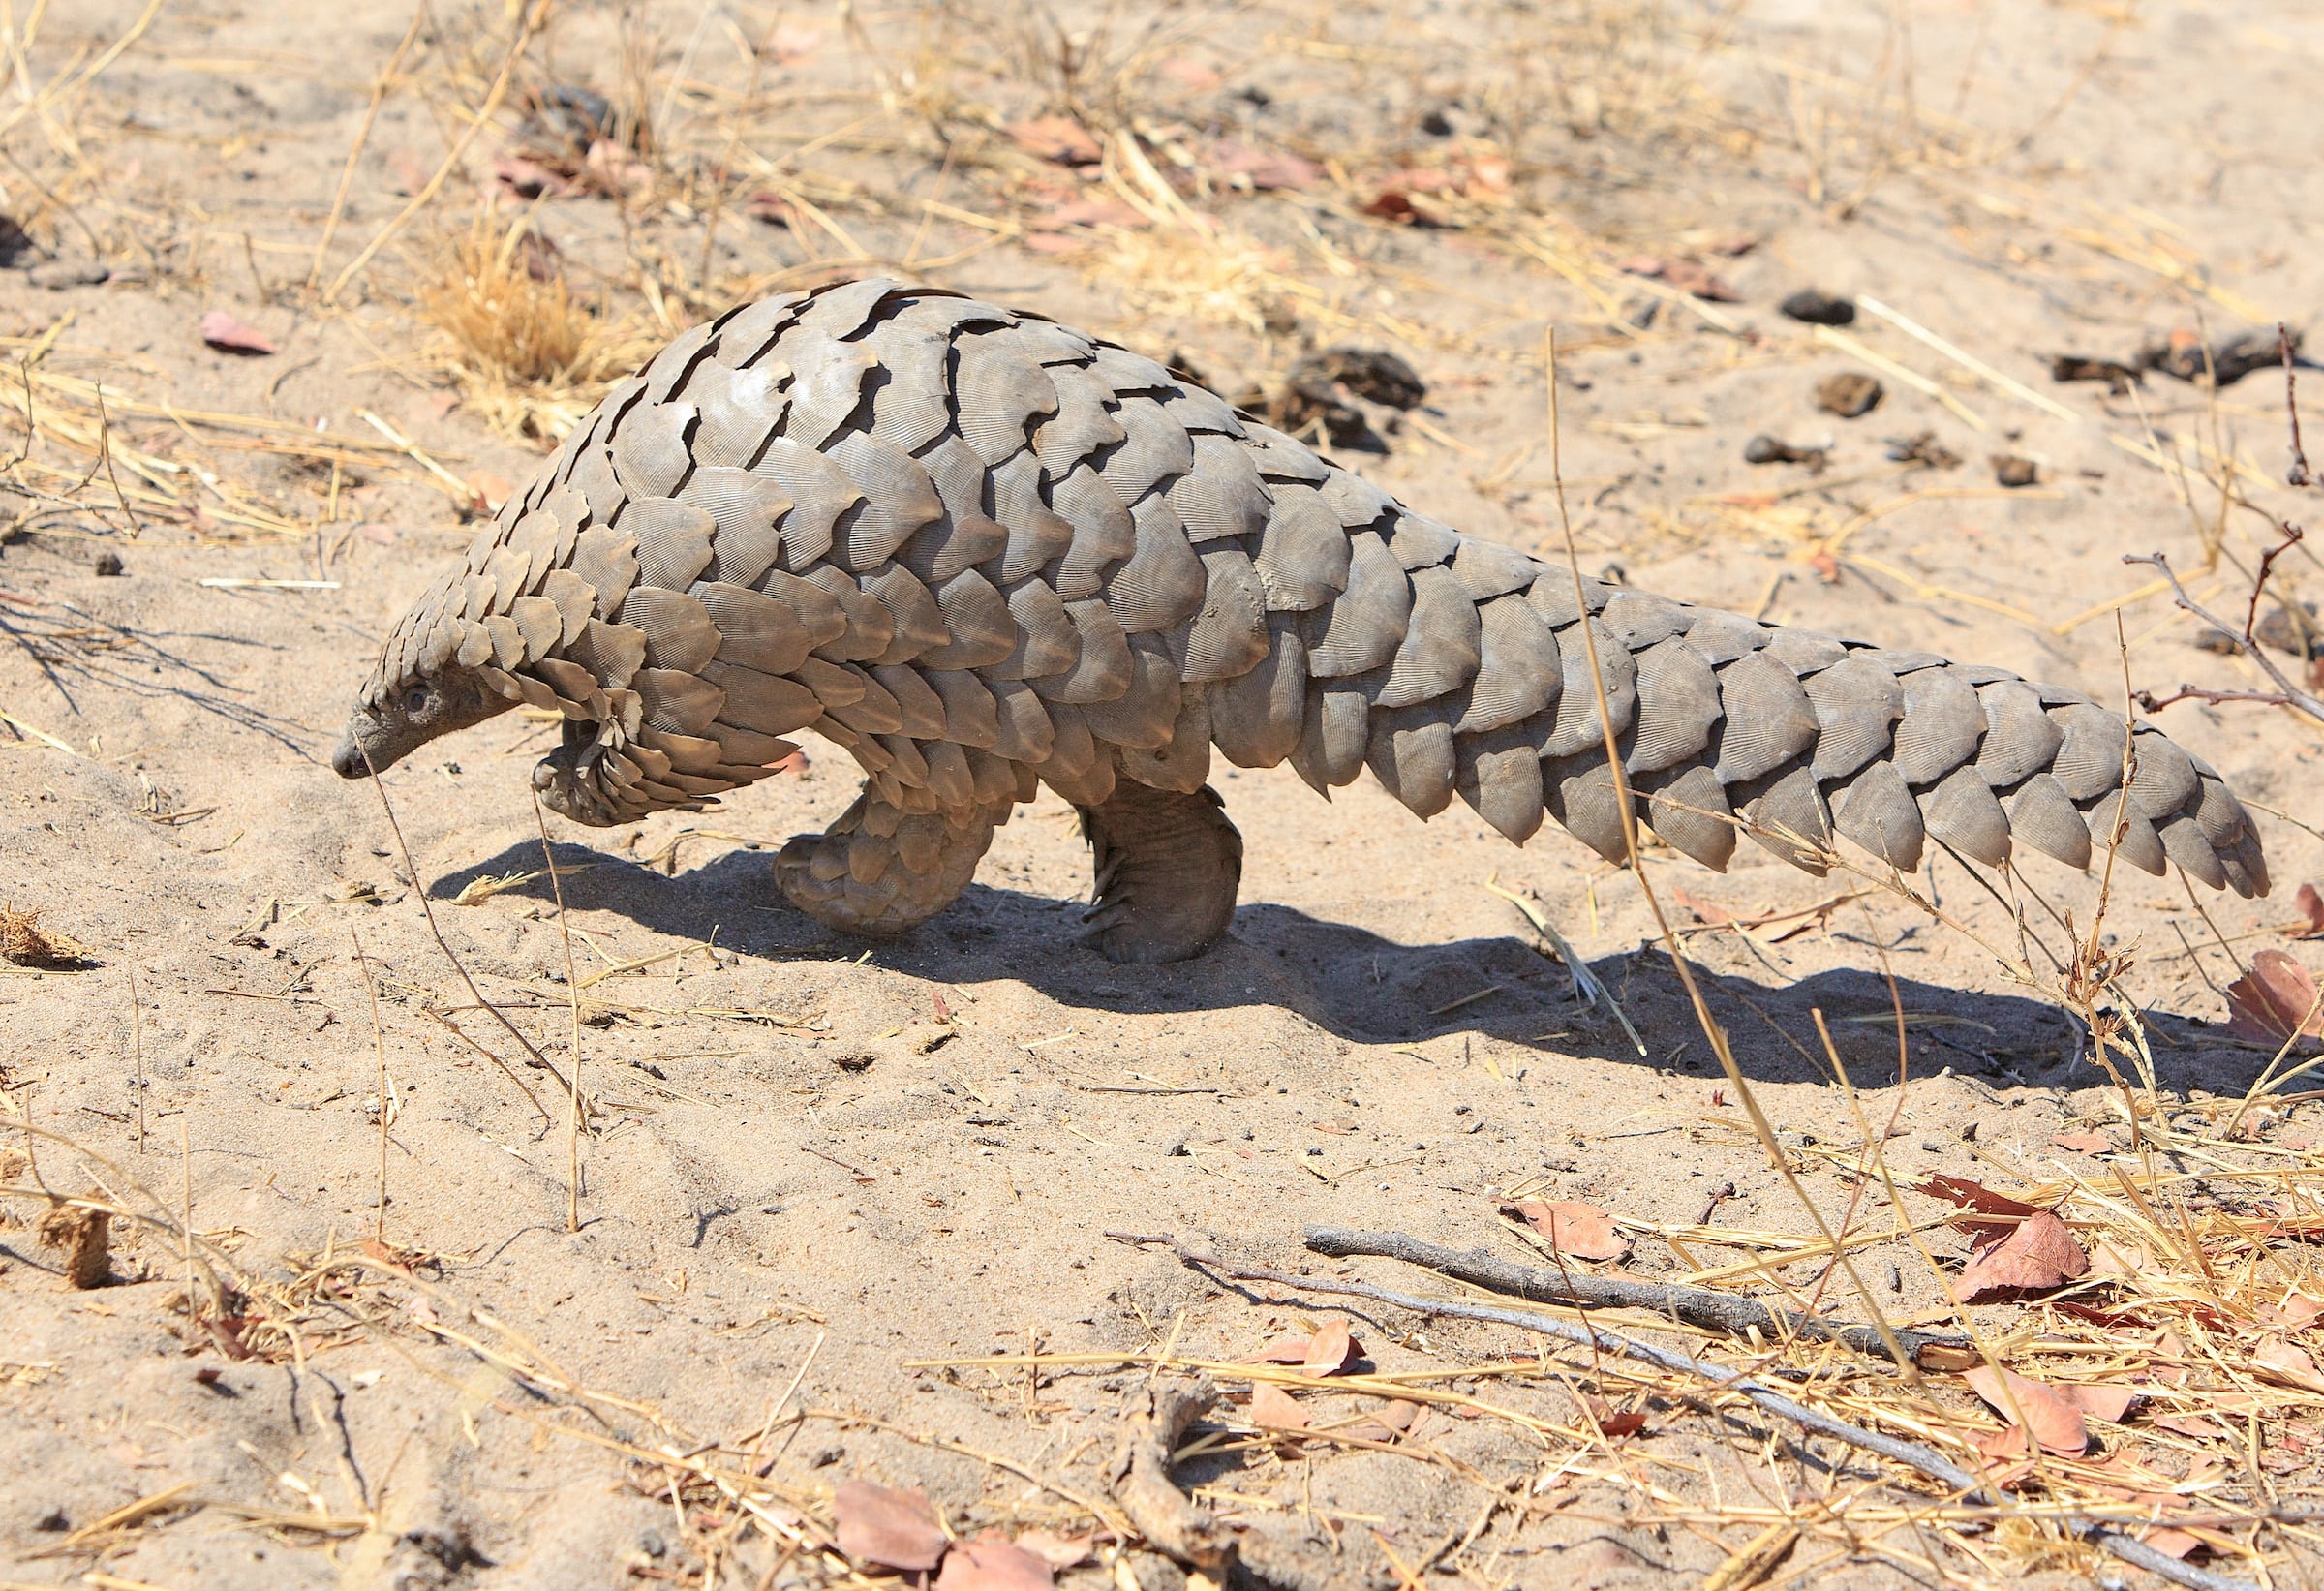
[2191, 1425]
[2083, 1143]
[2310, 905]
[2102, 1402]
[1582, 1231]
[1394, 204]
[2273, 1002]
[1276, 1409]
[1291, 1349]
[1057, 1551]
[1617, 1423]
[880, 1524]
[1331, 1349]
[1093, 211]
[2053, 1421]
[2296, 1312]
[1686, 273]
[229, 334]
[2039, 1255]
[2281, 1361]
[992, 1562]
[2171, 1544]
[1057, 139]
[1266, 169]
[1969, 1195]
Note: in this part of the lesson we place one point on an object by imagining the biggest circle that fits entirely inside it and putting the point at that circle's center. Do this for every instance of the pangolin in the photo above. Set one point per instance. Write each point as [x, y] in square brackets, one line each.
[982, 552]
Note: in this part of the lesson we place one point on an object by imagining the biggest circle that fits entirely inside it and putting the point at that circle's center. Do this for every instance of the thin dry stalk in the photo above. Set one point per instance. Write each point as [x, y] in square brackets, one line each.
[136, 1046]
[573, 992]
[530, 19]
[379, 90]
[379, 1044]
[412, 871]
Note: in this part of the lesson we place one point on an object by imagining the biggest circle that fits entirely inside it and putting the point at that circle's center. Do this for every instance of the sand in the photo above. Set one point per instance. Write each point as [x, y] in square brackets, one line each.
[813, 1162]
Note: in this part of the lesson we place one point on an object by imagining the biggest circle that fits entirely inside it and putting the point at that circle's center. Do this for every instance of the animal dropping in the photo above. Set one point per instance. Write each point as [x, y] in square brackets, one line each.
[982, 553]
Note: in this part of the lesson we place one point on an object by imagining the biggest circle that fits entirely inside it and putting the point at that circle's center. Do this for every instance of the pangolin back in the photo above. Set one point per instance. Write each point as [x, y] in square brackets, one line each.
[976, 548]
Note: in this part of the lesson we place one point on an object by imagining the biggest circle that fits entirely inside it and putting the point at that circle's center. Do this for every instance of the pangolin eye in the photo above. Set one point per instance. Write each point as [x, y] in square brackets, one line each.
[417, 699]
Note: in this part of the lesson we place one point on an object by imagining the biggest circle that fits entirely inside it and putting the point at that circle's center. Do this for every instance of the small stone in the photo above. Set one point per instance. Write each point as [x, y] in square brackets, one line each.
[1820, 309]
[2296, 630]
[2014, 469]
[2219, 642]
[108, 563]
[1848, 394]
[1766, 450]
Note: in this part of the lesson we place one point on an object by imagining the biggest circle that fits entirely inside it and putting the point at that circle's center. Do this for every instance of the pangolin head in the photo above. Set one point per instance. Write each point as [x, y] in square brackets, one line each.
[418, 689]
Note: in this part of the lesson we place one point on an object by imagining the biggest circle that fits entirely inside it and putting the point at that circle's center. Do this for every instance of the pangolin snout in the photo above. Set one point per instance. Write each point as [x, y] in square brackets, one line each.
[347, 760]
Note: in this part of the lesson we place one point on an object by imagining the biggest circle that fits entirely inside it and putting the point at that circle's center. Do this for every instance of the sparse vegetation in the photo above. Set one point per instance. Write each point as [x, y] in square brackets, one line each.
[821, 1290]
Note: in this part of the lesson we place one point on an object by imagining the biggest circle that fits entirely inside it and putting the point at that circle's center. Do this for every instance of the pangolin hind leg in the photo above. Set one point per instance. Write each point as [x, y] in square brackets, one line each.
[1168, 868]
[881, 870]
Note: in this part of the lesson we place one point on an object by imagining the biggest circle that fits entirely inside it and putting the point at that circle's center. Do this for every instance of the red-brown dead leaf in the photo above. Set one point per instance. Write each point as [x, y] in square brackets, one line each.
[1089, 211]
[1331, 1349]
[1709, 911]
[1189, 73]
[882, 1525]
[2039, 1255]
[2191, 1425]
[486, 491]
[792, 43]
[1690, 275]
[2053, 1420]
[992, 1562]
[2171, 1544]
[1396, 204]
[1267, 171]
[227, 332]
[529, 179]
[2285, 1362]
[1969, 1195]
[1057, 139]
[1291, 1349]
[1825, 565]
[2310, 905]
[2083, 1143]
[1055, 1550]
[2102, 1402]
[2296, 1312]
[1684, 272]
[1616, 1422]
[1583, 1231]
[1276, 1409]
[2274, 1000]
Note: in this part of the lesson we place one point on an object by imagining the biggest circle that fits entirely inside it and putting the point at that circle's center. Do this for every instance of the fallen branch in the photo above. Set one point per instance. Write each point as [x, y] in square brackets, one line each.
[1927, 1461]
[2293, 695]
[1694, 1306]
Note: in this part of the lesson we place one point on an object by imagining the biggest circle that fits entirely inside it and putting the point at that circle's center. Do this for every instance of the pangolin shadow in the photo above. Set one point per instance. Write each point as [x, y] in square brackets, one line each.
[1362, 988]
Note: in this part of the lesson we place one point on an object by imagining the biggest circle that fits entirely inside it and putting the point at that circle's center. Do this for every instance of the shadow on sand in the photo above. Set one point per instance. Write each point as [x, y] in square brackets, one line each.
[1366, 989]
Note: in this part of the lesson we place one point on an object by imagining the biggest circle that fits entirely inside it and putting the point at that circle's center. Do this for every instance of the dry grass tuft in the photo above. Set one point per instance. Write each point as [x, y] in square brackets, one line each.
[23, 942]
[526, 352]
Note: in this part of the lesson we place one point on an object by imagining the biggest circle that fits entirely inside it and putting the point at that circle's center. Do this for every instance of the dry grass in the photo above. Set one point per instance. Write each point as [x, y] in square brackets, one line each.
[528, 353]
[2201, 1224]
[23, 942]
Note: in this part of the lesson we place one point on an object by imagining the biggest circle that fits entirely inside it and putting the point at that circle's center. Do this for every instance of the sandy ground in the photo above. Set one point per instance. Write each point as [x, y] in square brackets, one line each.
[813, 1162]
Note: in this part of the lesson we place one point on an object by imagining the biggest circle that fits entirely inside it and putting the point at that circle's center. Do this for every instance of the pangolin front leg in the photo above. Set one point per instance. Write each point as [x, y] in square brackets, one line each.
[1168, 868]
[881, 870]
